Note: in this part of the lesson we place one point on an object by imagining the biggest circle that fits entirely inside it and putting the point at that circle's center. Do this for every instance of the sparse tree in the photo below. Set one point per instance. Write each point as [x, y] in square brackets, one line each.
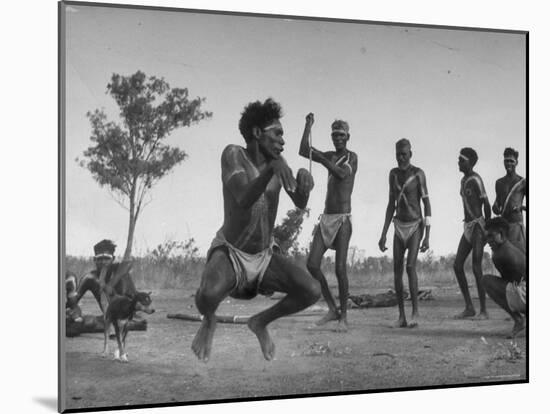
[287, 232]
[130, 158]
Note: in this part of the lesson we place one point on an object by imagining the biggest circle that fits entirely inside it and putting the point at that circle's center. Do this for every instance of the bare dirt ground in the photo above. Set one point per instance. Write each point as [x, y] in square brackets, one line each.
[309, 359]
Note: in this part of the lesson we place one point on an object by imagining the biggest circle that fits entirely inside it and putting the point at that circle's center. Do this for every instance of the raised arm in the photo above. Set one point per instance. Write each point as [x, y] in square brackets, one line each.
[304, 144]
[390, 209]
[338, 169]
[246, 192]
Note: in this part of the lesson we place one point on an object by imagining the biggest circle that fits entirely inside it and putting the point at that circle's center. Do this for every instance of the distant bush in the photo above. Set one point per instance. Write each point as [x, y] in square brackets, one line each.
[177, 264]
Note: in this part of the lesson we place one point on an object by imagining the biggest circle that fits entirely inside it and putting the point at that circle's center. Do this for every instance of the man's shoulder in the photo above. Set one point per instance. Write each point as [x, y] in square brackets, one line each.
[417, 170]
[232, 149]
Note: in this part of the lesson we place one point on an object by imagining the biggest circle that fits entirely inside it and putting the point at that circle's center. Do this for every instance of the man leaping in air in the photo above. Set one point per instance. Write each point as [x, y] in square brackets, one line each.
[334, 228]
[407, 188]
[241, 262]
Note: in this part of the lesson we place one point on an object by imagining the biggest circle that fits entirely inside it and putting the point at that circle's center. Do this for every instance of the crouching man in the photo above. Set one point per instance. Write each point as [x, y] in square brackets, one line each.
[508, 291]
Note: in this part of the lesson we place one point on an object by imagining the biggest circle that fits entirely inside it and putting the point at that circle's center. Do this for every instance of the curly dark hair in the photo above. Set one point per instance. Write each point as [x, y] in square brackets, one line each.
[260, 115]
[499, 224]
[403, 142]
[471, 154]
[510, 151]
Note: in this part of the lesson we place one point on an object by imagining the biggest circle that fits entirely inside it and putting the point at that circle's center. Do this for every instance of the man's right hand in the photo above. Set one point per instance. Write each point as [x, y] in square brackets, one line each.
[309, 120]
[382, 244]
[283, 171]
[496, 209]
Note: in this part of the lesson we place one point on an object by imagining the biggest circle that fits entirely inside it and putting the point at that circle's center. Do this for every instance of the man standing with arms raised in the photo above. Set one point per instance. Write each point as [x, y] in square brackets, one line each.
[334, 228]
[241, 262]
[407, 188]
[511, 190]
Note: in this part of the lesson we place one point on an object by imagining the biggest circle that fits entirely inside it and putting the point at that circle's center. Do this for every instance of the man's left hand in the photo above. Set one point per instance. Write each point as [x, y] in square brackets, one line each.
[425, 245]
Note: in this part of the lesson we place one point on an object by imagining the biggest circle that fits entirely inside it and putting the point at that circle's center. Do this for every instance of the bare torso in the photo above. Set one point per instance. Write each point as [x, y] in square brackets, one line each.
[408, 187]
[338, 199]
[503, 187]
[248, 229]
[472, 192]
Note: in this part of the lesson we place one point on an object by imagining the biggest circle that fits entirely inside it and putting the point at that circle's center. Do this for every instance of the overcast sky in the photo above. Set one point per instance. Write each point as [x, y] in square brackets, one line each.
[443, 89]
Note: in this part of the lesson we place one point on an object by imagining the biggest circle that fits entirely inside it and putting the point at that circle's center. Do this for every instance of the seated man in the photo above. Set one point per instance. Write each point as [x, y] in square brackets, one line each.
[97, 279]
[508, 291]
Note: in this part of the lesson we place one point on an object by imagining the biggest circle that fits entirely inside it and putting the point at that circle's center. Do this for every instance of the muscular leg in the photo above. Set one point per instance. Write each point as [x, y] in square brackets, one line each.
[302, 291]
[464, 248]
[398, 256]
[342, 244]
[477, 257]
[496, 289]
[218, 279]
[413, 246]
[316, 253]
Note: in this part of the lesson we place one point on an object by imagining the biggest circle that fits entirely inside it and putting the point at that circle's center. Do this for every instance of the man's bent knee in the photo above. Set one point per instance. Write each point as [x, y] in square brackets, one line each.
[313, 268]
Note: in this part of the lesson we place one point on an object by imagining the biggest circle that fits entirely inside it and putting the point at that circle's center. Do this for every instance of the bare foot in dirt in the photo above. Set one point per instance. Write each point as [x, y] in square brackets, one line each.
[202, 344]
[481, 316]
[413, 322]
[519, 326]
[401, 322]
[342, 325]
[267, 345]
[330, 316]
[465, 314]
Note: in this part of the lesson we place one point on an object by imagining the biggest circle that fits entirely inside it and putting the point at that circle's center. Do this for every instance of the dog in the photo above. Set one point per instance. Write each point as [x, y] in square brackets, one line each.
[118, 281]
[120, 310]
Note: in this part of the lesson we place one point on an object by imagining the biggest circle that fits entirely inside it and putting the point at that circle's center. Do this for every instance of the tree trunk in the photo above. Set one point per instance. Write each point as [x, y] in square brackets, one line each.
[130, 241]
[131, 223]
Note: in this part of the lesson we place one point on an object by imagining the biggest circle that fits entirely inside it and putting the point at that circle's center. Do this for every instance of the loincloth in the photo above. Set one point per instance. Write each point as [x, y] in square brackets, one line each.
[249, 268]
[470, 226]
[405, 229]
[516, 296]
[329, 225]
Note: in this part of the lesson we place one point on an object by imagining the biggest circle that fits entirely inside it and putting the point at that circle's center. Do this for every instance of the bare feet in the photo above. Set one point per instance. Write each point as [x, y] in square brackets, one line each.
[519, 325]
[482, 315]
[466, 313]
[401, 322]
[202, 344]
[413, 322]
[342, 325]
[330, 316]
[267, 345]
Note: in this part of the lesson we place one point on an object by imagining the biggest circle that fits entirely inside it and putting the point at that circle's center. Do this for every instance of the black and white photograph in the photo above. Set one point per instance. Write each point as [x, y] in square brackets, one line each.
[258, 206]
